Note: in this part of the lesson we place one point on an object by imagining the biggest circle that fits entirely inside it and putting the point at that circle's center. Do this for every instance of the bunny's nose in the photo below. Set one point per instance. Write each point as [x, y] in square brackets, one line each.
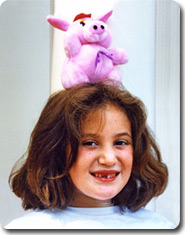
[97, 28]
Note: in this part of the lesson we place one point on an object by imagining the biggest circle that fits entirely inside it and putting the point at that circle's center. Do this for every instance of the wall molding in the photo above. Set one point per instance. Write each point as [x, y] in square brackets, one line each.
[167, 100]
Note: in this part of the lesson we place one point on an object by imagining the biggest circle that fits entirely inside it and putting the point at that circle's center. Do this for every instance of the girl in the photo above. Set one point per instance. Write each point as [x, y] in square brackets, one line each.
[92, 163]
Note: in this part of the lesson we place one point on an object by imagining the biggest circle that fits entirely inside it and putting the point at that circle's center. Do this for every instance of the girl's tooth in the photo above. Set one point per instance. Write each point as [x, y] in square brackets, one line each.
[105, 176]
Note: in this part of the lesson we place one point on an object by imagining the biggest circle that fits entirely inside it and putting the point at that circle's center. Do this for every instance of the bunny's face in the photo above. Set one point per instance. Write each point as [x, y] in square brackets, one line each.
[91, 31]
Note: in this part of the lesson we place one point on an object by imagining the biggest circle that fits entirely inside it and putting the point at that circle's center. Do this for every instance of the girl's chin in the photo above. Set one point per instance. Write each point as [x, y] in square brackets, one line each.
[104, 197]
[105, 193]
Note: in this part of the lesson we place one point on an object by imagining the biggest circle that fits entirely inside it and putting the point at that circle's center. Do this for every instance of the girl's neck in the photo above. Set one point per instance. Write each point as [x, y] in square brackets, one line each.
[82, 200]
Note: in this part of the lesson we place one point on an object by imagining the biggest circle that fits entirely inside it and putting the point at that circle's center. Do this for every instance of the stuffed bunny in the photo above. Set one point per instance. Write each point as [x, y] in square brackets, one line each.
[88, 56]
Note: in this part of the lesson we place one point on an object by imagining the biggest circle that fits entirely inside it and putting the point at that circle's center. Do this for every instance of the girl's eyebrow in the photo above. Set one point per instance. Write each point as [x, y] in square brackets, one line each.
[93, 135]
[124, 134]
[89, 135]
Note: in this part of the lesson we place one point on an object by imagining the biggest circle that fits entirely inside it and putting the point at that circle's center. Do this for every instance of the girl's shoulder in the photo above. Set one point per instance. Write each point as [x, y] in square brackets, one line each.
[37, 219]
[150, 219]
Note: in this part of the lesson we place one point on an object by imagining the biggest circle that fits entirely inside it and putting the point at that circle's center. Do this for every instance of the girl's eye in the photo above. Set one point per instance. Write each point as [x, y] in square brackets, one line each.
[89, 143]
[82, 23]
[120, 143]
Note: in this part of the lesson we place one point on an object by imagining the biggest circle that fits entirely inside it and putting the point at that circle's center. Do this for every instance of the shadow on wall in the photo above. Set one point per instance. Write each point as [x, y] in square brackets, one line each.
[25, 86]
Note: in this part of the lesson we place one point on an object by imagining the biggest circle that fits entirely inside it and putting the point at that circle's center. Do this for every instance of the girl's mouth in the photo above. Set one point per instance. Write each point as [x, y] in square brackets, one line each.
[105, 176]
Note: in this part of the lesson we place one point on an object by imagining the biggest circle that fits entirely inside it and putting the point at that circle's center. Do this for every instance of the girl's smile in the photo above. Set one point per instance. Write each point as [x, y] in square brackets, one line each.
[105, 175]
[105, 154]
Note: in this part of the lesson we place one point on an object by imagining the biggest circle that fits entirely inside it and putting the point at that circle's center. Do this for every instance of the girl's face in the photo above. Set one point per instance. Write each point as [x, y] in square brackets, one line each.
[105, 154]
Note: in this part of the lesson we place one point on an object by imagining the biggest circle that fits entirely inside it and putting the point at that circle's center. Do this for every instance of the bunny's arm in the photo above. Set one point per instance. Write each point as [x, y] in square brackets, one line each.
[119, 56]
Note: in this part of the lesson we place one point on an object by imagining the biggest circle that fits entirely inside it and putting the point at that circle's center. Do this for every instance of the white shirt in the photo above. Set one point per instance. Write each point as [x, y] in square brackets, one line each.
[90, 218]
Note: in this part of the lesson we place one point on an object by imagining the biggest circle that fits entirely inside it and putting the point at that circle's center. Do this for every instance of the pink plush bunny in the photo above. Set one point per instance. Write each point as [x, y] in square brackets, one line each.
[88, 57]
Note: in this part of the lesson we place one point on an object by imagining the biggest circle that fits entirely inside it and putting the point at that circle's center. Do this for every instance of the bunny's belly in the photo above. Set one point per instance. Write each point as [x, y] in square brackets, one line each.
[95, 65]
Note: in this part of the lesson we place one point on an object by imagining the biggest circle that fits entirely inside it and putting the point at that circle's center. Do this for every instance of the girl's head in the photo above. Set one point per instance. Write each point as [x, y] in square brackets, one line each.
[104, 160]
[92, 137]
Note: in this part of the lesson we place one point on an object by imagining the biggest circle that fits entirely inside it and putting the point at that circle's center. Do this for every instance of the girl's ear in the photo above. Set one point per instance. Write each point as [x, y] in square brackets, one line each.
[105, 17]
[58, 23]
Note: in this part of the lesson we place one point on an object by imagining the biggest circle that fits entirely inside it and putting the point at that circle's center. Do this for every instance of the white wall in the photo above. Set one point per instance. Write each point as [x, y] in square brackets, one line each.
[167, 102]
[24, 86]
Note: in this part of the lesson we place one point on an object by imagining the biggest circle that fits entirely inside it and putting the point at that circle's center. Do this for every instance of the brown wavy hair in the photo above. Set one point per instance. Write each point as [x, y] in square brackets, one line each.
[43, 179]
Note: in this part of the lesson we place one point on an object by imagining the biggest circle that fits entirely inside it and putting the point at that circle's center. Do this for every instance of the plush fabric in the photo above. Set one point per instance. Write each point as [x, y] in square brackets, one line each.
[88, 56]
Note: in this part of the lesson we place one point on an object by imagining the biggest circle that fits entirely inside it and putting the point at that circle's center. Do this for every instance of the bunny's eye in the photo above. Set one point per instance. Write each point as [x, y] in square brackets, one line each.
[82, 22]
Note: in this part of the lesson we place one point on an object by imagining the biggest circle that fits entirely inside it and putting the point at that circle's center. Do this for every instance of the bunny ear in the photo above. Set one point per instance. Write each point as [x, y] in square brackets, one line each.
[105, 17]
[58, 23]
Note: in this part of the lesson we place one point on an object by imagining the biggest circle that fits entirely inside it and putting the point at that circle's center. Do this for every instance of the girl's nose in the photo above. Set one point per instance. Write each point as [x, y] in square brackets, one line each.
[107, 157]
